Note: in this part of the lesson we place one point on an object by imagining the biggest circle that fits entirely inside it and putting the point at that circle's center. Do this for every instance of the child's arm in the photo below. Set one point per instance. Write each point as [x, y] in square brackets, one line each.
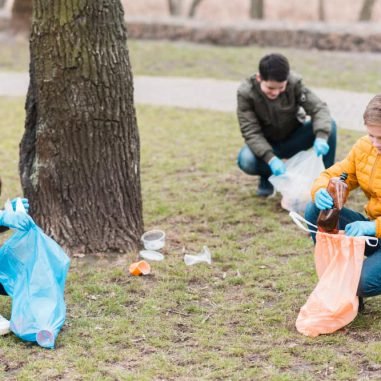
[347, 165]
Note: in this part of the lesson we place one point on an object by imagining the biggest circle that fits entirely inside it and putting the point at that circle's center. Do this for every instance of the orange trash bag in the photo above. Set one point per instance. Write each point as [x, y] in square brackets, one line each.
[333, 303]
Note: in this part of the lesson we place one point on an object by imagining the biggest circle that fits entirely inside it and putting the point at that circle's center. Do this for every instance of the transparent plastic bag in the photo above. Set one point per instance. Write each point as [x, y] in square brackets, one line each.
[33, 270]
[295, 185]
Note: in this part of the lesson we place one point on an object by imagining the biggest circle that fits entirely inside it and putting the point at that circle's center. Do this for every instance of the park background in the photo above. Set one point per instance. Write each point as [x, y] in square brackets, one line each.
[239, 10]
[233, 320]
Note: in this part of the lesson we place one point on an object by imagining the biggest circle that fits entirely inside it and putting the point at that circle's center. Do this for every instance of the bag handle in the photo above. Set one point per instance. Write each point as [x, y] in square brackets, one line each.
[299, 220]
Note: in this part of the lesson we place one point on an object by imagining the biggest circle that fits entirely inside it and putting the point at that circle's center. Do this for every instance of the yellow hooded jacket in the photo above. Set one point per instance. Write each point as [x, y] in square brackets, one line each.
[363, 165]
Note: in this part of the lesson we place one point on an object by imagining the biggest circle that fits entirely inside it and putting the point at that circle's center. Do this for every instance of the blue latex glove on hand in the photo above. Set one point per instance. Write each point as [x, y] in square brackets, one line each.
[24, 201]
[277, 166]
[323, 199]
[359, 228]
[15, 220]
[321, 147]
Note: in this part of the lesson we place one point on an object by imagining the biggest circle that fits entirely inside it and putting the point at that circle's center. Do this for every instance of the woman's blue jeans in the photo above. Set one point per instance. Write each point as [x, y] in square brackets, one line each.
[301, 139]
[370, 279]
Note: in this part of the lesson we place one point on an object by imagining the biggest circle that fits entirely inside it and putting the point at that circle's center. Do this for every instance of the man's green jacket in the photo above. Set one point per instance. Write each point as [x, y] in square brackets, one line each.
[263, 121]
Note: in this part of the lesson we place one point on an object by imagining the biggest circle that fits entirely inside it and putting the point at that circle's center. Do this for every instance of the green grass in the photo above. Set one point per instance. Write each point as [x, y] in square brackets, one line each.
[341, 70]
[14, 54]
[233, 320]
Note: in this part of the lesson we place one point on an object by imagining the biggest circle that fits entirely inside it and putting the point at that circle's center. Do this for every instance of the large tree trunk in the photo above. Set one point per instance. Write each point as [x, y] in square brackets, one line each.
[80, 153]
[256, 9]
[21, 16]
[367, 10]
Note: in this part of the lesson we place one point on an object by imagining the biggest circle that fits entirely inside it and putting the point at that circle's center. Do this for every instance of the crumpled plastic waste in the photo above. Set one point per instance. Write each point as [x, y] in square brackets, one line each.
[203, 256]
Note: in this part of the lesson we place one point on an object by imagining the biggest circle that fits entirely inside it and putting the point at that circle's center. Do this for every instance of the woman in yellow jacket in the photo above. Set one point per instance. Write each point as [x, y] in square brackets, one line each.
[363, 165]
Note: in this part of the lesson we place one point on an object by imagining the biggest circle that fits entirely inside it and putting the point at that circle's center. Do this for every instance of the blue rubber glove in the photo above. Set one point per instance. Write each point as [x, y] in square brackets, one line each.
[277, 166]
[321, 147]
[24, 201]
[359, 228]
[323, 199]
[15, 220]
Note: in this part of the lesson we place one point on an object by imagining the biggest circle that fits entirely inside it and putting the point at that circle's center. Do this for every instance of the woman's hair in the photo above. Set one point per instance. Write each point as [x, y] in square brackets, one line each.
[274, 67]
[372, 114]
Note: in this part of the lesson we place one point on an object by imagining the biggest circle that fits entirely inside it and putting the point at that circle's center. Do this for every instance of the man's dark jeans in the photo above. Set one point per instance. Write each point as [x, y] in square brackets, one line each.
[370, 280]
[301, 139]
[2, 290]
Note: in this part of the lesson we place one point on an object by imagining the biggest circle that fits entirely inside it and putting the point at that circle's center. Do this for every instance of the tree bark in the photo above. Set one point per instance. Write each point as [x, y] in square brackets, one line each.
[257, 9]
[21, 16]
[193, 8]
[321, 10]
[175, 7]
[367, 10]
[80, 153]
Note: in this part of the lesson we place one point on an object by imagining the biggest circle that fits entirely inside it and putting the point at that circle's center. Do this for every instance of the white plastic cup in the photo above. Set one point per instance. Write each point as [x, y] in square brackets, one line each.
[153, 240]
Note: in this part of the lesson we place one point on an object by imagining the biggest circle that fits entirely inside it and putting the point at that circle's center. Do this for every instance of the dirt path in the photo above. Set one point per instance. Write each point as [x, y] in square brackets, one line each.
[346, 107]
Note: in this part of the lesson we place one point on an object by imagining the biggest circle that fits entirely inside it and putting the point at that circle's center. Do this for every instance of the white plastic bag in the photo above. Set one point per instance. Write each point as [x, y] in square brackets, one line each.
[295, 185]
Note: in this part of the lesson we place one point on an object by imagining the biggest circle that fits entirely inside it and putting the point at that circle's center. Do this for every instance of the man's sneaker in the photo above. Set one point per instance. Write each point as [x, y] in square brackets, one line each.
[4, 326]
[265, 188]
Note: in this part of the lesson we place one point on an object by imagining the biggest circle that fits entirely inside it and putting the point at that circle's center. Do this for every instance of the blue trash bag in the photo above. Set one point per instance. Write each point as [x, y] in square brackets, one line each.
[33, 269]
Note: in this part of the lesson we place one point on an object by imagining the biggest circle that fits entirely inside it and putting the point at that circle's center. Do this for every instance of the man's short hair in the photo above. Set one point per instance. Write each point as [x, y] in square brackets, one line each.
[274, 67]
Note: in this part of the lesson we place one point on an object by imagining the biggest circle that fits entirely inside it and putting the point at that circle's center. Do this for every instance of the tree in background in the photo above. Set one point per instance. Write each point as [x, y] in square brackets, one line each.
[367, 10]
[257, 9]
[193, 7]
[321, 10]
[80, 153]
[176, 7]
[21, 15]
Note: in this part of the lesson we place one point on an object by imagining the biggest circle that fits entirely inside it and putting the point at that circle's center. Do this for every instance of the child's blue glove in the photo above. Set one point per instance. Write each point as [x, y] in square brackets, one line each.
[277, 166]
[15, 220]
[24, 201]
[321, 147]
[359, 228]
[323, 199]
